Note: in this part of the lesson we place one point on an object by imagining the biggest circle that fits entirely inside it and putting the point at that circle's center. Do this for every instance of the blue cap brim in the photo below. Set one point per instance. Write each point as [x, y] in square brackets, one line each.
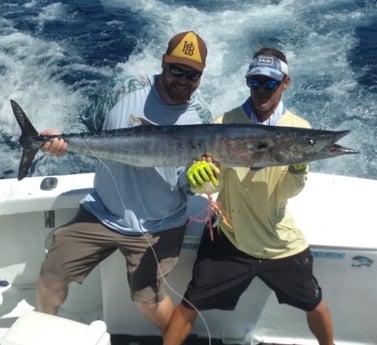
[266, 71]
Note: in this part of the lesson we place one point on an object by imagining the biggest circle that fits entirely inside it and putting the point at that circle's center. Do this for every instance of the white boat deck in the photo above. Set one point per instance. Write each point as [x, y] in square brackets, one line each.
[335, 212]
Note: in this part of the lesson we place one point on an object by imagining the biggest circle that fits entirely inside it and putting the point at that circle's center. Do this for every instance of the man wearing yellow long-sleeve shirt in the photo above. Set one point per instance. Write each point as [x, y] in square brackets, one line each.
[259, 237]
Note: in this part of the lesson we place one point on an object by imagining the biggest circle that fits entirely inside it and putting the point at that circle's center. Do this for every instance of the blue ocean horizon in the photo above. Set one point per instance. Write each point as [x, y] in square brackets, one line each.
[53, 55]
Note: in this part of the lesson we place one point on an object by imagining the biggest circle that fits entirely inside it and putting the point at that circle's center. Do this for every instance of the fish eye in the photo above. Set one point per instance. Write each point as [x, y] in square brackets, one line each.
[311, 142]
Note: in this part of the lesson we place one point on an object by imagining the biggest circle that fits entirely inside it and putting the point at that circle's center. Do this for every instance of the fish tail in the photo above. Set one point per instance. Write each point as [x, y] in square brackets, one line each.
[26, 140]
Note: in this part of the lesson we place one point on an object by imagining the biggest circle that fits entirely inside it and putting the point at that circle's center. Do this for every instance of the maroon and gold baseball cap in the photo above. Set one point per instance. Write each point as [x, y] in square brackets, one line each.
[187, 48]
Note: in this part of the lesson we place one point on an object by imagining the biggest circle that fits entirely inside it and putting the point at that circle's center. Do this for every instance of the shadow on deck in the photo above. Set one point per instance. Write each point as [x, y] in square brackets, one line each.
[154, 340]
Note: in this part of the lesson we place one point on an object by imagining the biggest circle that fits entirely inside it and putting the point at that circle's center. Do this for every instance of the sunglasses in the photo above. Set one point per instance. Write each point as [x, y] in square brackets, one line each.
[178, 72]
[269, 84]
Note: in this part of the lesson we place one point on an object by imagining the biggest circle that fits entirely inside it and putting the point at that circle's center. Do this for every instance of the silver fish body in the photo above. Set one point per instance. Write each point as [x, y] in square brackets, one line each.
[238, 145]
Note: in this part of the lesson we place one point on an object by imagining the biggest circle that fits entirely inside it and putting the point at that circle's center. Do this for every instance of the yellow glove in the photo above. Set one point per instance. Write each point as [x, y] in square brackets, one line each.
[298, 168]
[202, 173]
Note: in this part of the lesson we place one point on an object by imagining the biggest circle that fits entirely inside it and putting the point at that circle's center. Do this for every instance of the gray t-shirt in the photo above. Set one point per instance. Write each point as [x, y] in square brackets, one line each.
[130, 199]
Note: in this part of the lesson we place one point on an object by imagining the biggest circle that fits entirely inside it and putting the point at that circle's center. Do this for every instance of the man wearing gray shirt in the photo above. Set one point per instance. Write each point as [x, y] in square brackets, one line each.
[133, 209]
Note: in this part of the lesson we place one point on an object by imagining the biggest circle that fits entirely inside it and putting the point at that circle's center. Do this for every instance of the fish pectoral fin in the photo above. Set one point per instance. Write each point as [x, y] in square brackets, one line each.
[25, 163]
[258, 147]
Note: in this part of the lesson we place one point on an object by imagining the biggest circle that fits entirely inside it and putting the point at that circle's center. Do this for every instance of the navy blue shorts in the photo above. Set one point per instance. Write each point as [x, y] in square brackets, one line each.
[222, 273]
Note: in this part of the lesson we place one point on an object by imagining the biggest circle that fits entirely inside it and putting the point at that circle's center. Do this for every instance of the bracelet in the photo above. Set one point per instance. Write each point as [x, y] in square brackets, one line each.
[298, 168]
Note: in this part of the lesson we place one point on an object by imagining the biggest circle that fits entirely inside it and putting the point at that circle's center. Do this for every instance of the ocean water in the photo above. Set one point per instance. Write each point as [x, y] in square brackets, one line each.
[53, 55]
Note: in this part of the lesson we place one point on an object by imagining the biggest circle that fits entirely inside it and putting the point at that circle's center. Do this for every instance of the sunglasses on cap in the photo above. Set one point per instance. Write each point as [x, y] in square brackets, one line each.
[269, 84]
[178, 72]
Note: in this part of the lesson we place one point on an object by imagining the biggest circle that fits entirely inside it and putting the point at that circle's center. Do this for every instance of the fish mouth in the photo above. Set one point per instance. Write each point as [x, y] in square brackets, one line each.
[338, 149]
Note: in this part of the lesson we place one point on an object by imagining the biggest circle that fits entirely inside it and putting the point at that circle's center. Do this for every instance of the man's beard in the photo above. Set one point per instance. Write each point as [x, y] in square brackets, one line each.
[179, 95]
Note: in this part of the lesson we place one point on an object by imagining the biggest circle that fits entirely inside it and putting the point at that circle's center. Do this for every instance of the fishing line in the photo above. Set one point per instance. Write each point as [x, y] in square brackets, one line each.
[156, 257]
[214, 213]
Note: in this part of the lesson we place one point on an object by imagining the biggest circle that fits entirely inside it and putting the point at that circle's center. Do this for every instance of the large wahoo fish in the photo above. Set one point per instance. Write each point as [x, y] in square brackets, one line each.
[238, 145]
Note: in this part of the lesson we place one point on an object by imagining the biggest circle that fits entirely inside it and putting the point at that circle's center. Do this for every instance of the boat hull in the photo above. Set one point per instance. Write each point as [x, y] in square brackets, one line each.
[339, 227]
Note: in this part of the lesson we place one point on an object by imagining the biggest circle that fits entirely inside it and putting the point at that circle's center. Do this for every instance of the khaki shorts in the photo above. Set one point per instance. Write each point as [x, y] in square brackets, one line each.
[77, 247]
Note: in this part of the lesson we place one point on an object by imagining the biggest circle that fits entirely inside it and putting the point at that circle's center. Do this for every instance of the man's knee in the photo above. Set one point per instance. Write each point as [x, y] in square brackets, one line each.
[52, 284]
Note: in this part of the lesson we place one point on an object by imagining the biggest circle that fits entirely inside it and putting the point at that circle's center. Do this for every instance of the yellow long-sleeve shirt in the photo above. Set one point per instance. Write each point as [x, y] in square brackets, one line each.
[255, 201]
